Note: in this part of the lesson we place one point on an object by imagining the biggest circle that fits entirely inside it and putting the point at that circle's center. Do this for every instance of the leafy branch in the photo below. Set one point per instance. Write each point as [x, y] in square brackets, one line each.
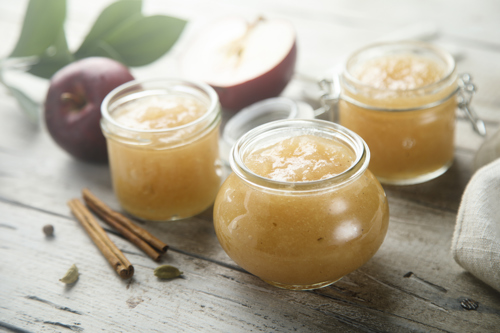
[121, 32]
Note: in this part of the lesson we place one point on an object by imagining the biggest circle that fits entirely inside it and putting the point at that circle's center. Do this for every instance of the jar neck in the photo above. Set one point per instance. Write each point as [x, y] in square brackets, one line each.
[172, 136]
[273, 132]
[370, 96]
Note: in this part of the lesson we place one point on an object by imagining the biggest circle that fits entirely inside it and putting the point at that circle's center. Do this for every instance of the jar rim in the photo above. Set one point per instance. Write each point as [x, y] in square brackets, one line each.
[301, 126]
[203, 87]
[446, 56]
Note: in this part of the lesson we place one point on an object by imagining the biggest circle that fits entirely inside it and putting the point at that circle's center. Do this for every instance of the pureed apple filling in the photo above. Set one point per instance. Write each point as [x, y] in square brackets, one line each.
[301, 159]
[159, 112]
[164, 161]
[400, 105]
[399, 72]
[298, 239]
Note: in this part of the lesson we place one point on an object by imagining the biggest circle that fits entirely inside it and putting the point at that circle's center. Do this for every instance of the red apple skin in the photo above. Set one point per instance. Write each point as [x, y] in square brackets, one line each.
[74, 123]
[268, 85]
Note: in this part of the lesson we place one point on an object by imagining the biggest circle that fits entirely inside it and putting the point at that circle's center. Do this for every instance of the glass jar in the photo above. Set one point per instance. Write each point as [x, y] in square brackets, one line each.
[401, 99]
[163, 169]
[300, 234]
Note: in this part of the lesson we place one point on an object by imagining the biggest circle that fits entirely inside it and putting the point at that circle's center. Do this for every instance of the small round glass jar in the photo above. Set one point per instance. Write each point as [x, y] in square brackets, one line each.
[410, 131]
[300, 235]
[170, 173]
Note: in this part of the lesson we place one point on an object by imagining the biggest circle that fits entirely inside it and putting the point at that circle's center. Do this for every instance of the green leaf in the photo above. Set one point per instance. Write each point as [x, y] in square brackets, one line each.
[29, 106]
[111, 17]
[42, 23]
[122, 33]
[103, 49]
[141, 40]
[54, 58]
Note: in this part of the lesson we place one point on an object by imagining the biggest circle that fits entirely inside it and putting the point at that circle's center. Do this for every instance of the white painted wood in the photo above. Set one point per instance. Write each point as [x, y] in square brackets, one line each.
[412, 283]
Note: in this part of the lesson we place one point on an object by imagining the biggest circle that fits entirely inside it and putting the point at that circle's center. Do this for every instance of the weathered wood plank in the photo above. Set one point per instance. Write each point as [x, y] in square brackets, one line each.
[361, 300]
[100, 299]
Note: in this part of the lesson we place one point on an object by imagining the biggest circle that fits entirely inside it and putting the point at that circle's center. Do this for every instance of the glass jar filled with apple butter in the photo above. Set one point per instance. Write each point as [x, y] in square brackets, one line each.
[300, 210]
[162, 138]
[401, 99]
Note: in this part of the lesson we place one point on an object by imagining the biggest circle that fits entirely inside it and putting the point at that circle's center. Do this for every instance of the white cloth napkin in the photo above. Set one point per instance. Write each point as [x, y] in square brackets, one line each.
[476, 240]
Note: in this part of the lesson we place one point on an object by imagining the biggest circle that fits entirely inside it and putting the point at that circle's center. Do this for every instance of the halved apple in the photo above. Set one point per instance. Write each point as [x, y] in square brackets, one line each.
[244, 62]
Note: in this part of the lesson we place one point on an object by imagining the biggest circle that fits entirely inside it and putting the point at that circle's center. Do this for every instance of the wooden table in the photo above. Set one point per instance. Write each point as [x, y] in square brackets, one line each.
[412, 283]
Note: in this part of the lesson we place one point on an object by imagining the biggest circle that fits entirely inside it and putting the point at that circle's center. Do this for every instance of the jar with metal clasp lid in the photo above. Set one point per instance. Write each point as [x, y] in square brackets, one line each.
[401, 97]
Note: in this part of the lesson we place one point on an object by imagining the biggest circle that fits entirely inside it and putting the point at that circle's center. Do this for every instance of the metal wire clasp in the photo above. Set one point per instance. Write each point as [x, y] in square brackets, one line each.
[464, 97]
[330, 96]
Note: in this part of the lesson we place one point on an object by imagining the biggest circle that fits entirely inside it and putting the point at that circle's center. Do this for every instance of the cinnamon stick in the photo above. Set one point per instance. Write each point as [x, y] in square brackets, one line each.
[155, 255]
[114, 256]
[137, 235]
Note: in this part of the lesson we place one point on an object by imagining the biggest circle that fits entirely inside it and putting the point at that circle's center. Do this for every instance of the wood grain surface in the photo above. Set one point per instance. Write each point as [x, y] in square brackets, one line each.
[412, 284]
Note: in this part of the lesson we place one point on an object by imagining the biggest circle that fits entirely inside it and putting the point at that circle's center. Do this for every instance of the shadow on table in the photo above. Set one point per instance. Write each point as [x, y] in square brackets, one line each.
[444, 192]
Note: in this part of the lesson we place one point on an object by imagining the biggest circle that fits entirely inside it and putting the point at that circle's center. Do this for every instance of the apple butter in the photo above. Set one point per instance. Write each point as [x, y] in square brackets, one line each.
[162, 138]
[301, 209]
[401, 99]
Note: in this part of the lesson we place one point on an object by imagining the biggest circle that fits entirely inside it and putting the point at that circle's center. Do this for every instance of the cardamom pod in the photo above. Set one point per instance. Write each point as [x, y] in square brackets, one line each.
[48, 230]
[167, 272]
[71, 275]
